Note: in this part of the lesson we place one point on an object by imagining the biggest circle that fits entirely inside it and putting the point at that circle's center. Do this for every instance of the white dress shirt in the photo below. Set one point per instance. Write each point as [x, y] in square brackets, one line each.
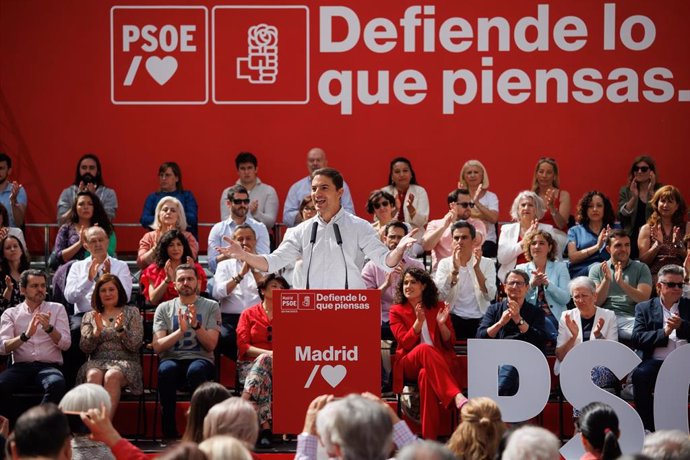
[78, 289]
[450, 294]
[245, 294]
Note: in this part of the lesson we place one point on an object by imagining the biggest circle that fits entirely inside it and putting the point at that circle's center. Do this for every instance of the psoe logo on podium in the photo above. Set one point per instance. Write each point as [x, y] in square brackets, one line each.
[159, 55]
[289, 302]
[307, 301]
[260, 54]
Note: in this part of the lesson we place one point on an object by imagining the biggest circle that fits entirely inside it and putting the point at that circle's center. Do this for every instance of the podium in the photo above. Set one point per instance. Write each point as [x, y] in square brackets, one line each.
[324, 342]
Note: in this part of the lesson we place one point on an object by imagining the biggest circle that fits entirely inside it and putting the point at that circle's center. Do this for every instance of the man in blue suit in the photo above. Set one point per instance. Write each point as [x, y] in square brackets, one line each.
[661, 325]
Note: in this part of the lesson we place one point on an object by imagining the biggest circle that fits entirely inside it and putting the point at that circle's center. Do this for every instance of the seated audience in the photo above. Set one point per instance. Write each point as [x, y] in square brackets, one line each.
[185, 333]
[587, 239]
[473, 177]
[207, 395]
[222, 447]
[661, 238]
[513, 318]
[157, 281]
[548, 285]
[354, 427]
[532, 443]
[634, 207]
[12, 194]
[583, 323]
[86, 211]
[479, 432]
[41, 432]
[411, 200]
[88, 178]
[5, 228]
[238, 203]
[80, 399]
[526, 211]
[545, 183]
[662, 324]
[422, 327]
[667, 445]
[236, 289]
[255, 360]
[111, 335]
[437, 237]
[264, 199]
[381, 205]
[387, 281]
[35, 332]
[79, 288]
[466, 281]
[598, 425]
[316, 159]
[234, 417]
[170, 180]
[169, 216]
[13, 261]
[621, 282]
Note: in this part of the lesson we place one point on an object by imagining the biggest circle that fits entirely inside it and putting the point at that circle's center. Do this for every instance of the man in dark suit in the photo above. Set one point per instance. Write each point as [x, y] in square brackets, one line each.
[661, 325]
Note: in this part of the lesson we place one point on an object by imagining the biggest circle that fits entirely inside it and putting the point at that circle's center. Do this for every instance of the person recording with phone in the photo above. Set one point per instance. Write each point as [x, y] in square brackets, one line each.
[333, 244]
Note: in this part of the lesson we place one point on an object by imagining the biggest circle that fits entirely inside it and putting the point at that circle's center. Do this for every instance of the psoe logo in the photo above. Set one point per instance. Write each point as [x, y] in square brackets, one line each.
[289, 302]
[307, 302]
[260, 54]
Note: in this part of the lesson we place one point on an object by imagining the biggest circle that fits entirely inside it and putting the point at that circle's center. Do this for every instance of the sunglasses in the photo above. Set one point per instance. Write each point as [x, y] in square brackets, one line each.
[466, 205]
[382, 203]
[672, 285]
[238, 201]
[642, 169]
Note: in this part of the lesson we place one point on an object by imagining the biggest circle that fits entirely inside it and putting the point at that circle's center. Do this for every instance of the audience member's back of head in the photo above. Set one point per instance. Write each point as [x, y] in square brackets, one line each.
[361, 428]
[532, 443]
[42, 431]
[184, 451]
[425, 450]
[598, 424]
[84, 397]
[235, 417]
[207, 395]
[667, 445]
[224, 447]
[480, 431]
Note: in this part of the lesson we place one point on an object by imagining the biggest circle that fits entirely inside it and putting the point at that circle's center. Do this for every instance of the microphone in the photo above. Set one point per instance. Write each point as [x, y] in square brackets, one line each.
[339, 240]
[312, 240]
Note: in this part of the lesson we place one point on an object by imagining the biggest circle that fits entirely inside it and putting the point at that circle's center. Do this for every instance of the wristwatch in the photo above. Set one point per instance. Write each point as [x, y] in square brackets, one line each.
[49, 329]
[521, 322]
[24, 337]
[198, 326]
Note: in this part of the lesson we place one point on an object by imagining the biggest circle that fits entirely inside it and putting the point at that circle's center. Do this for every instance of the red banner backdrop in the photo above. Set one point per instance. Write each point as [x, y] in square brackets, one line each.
[590, 83]
[324, 342]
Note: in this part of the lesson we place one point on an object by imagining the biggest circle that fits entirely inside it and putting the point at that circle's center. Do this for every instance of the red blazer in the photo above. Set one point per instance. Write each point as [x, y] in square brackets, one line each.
[402, 317]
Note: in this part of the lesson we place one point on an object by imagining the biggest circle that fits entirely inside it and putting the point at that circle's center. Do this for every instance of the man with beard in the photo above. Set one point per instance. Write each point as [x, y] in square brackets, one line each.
[35, 332]
[88, 177]
[185, 333]
[238, 203]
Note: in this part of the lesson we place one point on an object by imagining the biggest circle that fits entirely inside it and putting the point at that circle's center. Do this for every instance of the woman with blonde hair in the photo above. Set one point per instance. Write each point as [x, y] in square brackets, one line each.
[169, 215]
[235, 417]
[480, 430]
[224, 447]
[473, 177]
[546, 183]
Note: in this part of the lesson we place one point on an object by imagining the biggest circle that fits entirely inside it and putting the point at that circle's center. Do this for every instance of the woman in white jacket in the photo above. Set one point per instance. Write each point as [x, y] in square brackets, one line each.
[411, 200]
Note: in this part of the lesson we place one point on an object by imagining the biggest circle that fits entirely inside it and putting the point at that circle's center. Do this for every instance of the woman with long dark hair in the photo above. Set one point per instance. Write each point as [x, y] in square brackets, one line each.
[587, 240]
[411, 200]
[13, 261]
[422, 327]
[598, 425]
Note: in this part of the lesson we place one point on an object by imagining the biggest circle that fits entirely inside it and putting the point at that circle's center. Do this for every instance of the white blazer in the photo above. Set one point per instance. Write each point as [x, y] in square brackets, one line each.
[448, 293]
[420, 203]
[609, 331]
[509, 248]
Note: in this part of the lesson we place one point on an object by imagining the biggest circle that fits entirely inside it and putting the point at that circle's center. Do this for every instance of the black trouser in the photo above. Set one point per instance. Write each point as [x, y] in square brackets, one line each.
[73, 357]
[227, 344]
[465, 328]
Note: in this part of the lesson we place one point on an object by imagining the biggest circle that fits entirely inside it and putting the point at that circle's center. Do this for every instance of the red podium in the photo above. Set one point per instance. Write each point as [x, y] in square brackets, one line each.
[324, 342]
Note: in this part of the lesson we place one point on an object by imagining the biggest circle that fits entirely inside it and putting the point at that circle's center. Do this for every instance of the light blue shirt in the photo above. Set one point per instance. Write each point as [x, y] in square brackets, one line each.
[557, 294]
[5, 201]
[302, 188]
[226, 228]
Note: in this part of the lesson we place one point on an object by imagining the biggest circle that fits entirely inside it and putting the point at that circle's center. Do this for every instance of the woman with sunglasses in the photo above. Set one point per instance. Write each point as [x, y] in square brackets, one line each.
[661, 238]
[411, 200]
[634, 206]
[546, 183]
[381, 205]
[473, 177]
[255, 347]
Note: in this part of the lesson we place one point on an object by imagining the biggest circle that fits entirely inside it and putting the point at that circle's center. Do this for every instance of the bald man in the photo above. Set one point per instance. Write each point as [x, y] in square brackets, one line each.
[316, 159]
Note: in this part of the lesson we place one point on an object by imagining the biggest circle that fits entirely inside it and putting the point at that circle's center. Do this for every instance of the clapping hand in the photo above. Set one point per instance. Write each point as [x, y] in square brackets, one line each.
[606, 270]
[419, 313]
[98, 319]
[119, 321]
[443, 314]
[410, 207]
[9, 285]
[572, 326]
[598, 327]
[618, 274]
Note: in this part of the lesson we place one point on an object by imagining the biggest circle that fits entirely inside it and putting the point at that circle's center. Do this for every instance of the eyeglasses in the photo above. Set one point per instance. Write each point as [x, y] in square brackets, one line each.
[672, 285]
[382, 203]
[466, 205]
[642, 169]
[238, 201]
[270, 331]
[515, 283]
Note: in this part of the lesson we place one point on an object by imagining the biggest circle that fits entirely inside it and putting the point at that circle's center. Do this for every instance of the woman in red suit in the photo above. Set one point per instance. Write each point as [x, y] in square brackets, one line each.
[422, 327]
